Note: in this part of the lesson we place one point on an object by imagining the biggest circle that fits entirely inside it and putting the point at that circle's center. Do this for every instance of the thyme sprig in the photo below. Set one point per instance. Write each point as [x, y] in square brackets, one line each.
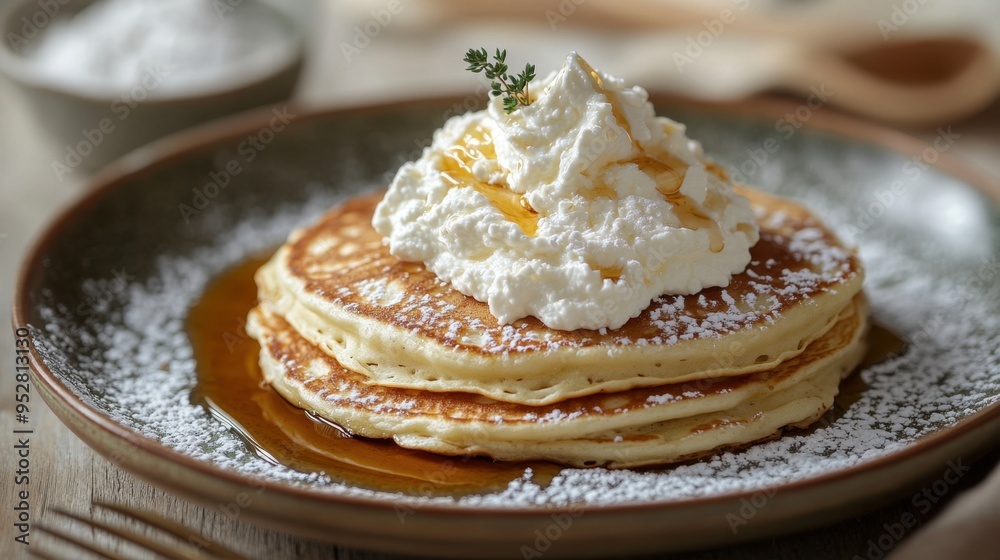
[514, 88]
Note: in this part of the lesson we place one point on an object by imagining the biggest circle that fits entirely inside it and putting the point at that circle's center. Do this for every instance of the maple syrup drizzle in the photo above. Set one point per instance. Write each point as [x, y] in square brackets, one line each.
[717, 170]
[609, 272]
[457, 171]
[616, 108]
[669, 176]
[231, 388]
[668, 172]
[599, 190]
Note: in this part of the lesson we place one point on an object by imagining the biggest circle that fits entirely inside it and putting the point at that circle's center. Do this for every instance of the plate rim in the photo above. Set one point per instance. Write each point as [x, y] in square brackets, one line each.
[160, 154]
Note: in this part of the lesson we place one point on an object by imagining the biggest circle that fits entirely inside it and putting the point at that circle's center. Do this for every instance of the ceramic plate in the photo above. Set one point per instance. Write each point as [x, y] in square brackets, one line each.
[106, 291]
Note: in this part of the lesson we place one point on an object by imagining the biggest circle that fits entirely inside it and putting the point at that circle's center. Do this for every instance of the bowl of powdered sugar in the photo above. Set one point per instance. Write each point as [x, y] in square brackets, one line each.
[107, 76]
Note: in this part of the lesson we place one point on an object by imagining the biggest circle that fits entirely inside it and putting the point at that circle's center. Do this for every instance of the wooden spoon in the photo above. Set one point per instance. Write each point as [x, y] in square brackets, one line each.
[918, 82]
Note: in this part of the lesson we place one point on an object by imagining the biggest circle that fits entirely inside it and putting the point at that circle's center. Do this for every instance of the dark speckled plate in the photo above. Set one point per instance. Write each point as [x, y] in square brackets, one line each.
[105, 291]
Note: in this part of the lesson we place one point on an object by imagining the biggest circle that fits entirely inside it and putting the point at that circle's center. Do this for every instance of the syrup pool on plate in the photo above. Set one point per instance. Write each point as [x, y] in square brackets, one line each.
[231, 387]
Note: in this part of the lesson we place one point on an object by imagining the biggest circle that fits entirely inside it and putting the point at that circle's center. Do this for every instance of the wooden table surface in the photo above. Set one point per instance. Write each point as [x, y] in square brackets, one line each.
[67, 474]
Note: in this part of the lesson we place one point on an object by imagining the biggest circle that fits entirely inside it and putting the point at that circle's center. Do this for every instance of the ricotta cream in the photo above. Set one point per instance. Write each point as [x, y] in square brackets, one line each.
[578, 209]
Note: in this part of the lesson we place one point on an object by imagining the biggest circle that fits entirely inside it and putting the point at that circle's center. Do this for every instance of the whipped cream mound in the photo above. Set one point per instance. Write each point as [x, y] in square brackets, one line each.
[578, 209]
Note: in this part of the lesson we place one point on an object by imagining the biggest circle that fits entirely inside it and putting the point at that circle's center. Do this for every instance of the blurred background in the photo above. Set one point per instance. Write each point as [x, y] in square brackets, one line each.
[83, 82]
[152, 67]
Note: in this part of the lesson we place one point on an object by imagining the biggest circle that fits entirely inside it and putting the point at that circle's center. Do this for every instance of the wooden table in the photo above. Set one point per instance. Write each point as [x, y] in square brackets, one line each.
[66, 474]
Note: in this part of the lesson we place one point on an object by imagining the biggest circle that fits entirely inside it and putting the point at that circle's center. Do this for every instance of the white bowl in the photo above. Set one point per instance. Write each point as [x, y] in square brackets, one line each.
[92, 125]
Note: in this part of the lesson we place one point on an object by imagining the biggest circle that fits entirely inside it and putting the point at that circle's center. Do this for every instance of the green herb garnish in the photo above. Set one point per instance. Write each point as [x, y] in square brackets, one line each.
[515, 88]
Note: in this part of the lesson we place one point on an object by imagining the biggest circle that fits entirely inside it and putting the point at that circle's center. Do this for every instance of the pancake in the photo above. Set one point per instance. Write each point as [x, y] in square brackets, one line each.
[650, 425]
[398, 325]
[672, 441]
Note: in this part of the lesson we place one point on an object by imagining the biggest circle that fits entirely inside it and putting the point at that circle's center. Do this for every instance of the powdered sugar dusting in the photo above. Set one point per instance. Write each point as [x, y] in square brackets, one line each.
[794, 261]
[138, 368]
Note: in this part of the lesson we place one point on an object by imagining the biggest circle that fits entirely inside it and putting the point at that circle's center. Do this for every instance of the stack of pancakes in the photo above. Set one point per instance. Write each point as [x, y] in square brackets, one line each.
[387, 350]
